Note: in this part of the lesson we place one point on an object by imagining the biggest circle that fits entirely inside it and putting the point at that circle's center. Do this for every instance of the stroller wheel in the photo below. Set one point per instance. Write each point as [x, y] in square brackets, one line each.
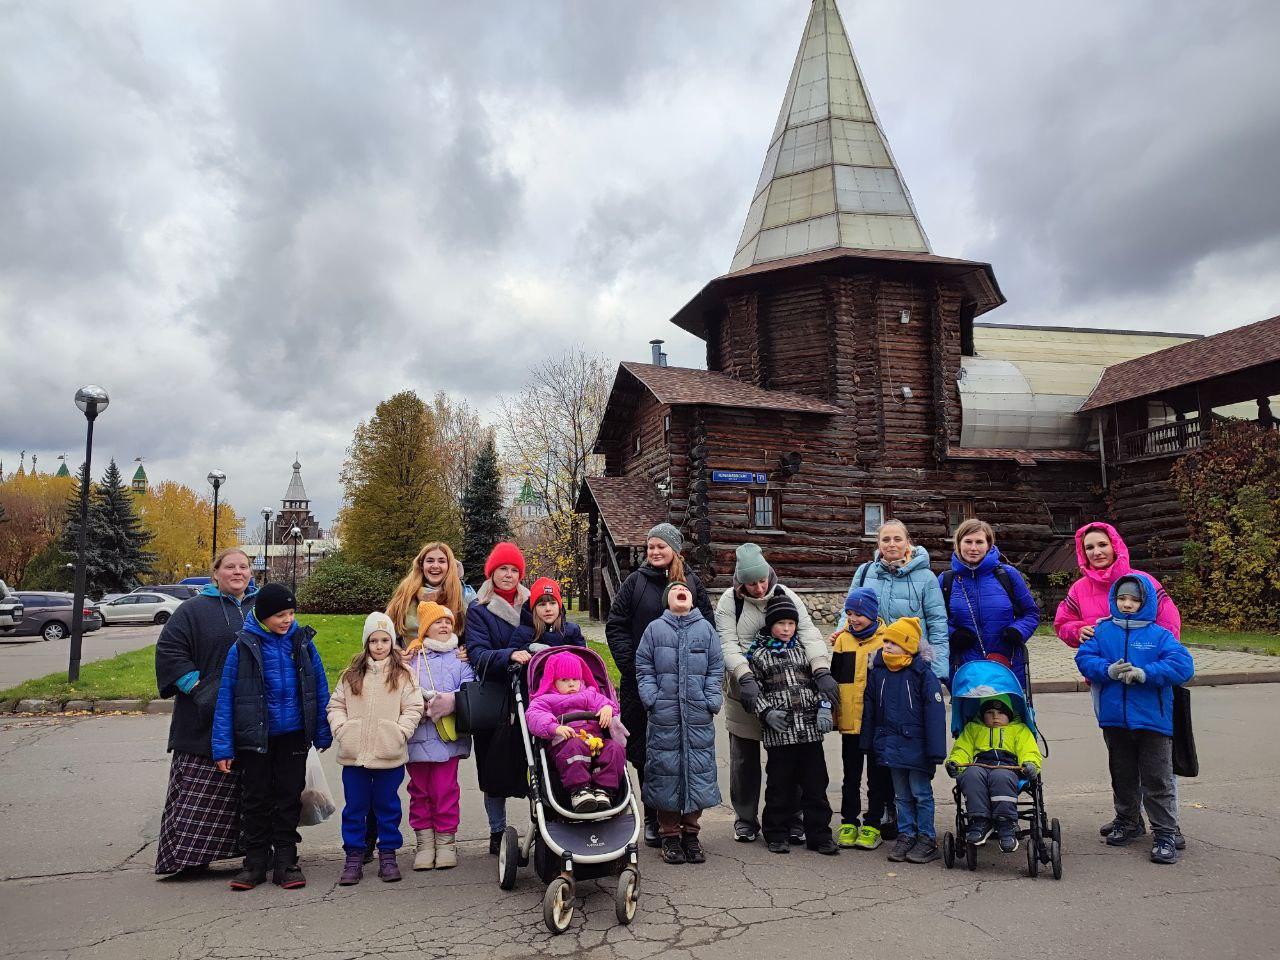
[557, 906]
[1055, 857]
[1033, 859]
[949, 849]
[627, 898]
[971, 855]
[1055, 831]
[508, 858]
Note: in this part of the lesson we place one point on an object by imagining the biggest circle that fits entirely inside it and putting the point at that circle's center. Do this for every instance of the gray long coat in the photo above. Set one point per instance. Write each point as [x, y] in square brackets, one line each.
[679, 671]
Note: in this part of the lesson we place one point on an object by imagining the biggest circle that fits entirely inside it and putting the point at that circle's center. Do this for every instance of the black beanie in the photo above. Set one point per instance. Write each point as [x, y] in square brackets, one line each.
[780, 607]
[272, 599]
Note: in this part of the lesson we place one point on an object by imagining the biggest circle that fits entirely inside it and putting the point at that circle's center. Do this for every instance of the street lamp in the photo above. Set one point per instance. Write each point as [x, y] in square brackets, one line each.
[295, 535]
[91, 400]
[308, 558]
[216, 479]
[266, 542]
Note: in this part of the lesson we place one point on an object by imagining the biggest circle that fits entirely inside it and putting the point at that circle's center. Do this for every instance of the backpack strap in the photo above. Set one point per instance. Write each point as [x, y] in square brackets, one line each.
[1003, 574]
[862, 574]
[738, 603]
[948, 581]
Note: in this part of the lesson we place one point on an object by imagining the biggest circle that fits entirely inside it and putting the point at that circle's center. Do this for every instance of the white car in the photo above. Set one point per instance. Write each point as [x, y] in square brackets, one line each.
[139, 608]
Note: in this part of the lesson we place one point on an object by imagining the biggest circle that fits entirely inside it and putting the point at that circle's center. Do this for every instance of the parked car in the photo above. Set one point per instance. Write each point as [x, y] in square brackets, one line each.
[139, 608]
[108, 597]
[10, 607]
[182, 591]
[48, 615]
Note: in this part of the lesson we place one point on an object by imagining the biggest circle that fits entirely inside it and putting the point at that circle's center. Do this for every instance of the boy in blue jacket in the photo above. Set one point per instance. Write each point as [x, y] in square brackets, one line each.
[272, 706]
[1134, 664]
[905, 722]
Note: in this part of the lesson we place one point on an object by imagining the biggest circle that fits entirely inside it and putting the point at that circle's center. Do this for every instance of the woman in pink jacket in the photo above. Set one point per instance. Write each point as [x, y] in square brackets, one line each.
[1103, 559]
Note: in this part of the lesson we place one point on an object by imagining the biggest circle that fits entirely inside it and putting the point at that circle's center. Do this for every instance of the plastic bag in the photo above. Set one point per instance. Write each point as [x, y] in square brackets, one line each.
[317, 800]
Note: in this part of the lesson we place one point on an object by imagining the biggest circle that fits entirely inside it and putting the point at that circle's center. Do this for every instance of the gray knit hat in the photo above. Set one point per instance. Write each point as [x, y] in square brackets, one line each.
[751, 565]
[669, 535]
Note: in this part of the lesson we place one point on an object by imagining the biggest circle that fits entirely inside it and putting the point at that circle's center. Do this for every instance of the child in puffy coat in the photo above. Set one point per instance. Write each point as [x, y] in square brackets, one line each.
[1134, 664]
[1000, 739]
[550, 627]
[905, 722]
[851, 654]
[433, 760]
[793, 720]
[679, 676]
[372, 714]
[591, 767]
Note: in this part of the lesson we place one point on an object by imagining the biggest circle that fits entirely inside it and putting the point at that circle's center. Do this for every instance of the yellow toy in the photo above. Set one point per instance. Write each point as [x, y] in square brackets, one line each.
[593, 742]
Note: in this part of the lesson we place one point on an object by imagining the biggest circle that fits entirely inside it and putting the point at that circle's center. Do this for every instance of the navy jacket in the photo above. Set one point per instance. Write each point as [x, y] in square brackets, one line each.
[903, 717]
[490, 639]
[1138, 639]
[570, 636]
[680, 675]
[981, 605]
[271, 684]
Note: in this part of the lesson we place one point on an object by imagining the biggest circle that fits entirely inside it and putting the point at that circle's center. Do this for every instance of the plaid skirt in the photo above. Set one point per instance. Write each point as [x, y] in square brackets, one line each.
[201, 821]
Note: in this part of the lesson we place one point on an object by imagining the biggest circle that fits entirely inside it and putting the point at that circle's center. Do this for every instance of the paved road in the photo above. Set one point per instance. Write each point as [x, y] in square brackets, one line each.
[82, 799]
[24, 658]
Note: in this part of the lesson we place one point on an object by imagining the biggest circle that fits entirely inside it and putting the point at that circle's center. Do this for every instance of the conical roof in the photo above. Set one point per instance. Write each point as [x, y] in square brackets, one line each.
[295, 491]
[829, 179]
[139, 475]
[63, 471]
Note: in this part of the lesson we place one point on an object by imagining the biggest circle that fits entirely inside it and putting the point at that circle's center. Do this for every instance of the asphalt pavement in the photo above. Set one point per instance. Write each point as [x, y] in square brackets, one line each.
[82, 800]
[25, 658]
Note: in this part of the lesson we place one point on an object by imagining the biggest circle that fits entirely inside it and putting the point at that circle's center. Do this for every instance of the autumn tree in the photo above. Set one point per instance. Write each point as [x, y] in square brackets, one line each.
[116, 554]
[547, 432]
[35, 507]
[484, 517]
[460, 436]
[180, 522]
[395, 497]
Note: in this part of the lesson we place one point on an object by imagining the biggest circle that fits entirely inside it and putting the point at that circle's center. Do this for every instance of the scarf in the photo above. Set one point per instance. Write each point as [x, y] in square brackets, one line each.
[896, 661]
[507, 595]
[866, 634]
[767, 641]
[428, 592]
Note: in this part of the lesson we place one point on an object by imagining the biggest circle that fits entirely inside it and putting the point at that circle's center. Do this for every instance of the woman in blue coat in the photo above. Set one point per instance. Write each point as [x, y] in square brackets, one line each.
[991, 611]
[679, 674]
[900, 575]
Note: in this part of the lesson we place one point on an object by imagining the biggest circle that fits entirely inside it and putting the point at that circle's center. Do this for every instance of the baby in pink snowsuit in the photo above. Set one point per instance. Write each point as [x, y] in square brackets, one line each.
[590, 776]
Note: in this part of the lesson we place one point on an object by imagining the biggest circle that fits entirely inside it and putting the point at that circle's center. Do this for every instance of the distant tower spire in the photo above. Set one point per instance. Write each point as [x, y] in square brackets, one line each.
[829, 180]
[139, 483]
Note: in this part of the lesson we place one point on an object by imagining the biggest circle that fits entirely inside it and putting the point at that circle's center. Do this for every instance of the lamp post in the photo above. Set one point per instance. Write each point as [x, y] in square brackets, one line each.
[266, 543]
[216, 479]
[308, 558]
[295, 535]
[91, 400]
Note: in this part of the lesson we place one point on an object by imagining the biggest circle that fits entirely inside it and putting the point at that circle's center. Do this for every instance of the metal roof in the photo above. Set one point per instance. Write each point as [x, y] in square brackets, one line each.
[295, 491]
[829, 179]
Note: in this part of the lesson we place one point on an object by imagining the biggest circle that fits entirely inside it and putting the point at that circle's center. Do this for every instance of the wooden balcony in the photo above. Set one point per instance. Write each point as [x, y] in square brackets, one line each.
[1166, 440]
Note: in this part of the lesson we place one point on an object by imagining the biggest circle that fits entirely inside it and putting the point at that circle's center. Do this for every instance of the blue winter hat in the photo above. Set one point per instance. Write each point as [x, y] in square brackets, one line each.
[863, 602]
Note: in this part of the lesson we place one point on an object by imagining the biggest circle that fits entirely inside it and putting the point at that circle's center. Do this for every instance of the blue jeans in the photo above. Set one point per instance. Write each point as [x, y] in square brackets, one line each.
[376, 791]
[913, 793]
[496, 809]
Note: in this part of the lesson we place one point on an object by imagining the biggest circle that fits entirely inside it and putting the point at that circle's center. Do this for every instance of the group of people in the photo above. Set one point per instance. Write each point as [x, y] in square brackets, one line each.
[252, 701]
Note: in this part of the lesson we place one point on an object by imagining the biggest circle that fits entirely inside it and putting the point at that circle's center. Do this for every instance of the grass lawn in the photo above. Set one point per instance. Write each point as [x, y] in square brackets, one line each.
[132, 676]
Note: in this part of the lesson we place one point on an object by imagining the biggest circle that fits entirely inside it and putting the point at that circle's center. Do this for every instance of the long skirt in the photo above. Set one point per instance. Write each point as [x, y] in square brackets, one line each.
[201, 821]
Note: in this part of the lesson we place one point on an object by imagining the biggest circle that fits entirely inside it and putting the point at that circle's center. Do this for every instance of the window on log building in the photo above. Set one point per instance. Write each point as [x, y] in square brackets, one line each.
[635, 444]
[766, 511]
[874, 514]
[1065, 518]
[958, 511]
[666, 430]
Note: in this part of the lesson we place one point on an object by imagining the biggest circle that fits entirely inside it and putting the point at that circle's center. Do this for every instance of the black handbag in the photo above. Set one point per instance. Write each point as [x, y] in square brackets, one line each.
[501, 764]
[482, 705]
[1185, 761]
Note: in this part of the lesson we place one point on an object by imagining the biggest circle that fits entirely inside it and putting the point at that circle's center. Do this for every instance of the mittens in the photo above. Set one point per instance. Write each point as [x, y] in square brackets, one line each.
[440, 705]
[1117, 670]
[826, 723]
[827, 685]
[1134, 675]
[1012, 637]
[952, 768]
[1030, 771]
[776, 719]
[963, 640]
[749, 692]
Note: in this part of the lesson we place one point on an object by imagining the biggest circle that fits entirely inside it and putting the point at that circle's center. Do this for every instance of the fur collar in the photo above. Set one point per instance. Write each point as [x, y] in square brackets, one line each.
[499, 607]
[441, 646]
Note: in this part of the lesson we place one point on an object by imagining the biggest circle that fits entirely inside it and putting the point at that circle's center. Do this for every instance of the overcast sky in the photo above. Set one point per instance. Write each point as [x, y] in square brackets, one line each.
[251, 222]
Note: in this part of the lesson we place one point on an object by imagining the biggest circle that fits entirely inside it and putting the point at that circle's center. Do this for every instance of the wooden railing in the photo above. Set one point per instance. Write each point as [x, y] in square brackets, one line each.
[1166, 440]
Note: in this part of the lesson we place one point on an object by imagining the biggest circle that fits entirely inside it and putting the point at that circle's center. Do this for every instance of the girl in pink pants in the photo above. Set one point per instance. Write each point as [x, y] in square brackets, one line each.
[433, 760]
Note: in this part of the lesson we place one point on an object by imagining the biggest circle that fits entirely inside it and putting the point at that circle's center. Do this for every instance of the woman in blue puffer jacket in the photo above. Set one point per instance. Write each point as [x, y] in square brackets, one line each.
[991, 611]
[900, 575]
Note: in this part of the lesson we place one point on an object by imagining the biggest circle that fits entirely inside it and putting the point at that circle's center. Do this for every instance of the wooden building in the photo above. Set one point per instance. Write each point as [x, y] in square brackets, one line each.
[848, 379]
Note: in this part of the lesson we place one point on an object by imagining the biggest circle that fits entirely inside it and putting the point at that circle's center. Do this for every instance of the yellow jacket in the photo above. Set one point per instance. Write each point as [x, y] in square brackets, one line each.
[979, 743]
[850, 661]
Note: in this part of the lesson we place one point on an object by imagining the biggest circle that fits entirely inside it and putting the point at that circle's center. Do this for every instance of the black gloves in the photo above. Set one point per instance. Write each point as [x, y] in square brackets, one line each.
[952, 768]
[962, 640]
[1012, 637]
[749, 692]
[1030, 770]
[827, 685]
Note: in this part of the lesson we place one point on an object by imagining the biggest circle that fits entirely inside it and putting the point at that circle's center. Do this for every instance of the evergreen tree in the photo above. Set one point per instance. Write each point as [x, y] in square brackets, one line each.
[116, 552]
[484, 518]
[396, 499]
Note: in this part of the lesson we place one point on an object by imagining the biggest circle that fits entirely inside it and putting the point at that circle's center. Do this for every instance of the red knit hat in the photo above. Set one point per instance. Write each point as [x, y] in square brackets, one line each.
[544, 587]
[504, 553]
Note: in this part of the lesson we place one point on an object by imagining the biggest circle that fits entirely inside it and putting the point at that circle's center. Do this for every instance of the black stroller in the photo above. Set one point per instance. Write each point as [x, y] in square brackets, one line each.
[974, 682]
[566, 846]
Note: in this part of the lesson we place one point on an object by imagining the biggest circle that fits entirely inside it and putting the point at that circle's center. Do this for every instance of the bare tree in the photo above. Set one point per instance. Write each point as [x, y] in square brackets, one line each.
[461, 435]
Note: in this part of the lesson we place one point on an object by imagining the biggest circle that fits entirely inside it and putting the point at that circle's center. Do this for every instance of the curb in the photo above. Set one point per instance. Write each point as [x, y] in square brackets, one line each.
[1228, 679]
[86, 706]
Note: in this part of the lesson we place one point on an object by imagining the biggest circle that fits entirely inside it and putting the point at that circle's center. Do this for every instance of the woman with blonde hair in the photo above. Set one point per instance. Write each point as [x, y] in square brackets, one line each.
[436, 577]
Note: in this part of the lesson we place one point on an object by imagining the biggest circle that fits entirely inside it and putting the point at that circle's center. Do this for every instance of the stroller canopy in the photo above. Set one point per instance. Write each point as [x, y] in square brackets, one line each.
[590, 659]
[981, 680]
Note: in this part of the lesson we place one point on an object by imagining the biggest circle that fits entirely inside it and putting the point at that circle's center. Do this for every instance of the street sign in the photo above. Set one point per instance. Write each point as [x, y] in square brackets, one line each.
[737, 476]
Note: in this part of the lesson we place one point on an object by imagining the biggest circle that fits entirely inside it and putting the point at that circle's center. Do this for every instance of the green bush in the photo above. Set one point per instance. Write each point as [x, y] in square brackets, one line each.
[340, 585]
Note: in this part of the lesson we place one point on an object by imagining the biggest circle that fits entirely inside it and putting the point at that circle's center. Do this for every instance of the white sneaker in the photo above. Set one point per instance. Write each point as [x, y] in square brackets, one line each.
[603, 800]
[584, 801]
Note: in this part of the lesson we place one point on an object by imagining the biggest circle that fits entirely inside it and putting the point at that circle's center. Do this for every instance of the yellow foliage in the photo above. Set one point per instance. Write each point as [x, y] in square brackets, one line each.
[180, 522]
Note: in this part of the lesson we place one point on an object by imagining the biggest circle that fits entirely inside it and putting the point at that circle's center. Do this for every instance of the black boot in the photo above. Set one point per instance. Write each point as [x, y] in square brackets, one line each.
[254, 871]
[495, 843]
[287, 873]
[673, 850]
[651, 838]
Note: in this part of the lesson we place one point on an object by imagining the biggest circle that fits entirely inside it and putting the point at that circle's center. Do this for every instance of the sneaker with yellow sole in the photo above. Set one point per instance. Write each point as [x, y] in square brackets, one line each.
[847, 835]
[868, 839]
